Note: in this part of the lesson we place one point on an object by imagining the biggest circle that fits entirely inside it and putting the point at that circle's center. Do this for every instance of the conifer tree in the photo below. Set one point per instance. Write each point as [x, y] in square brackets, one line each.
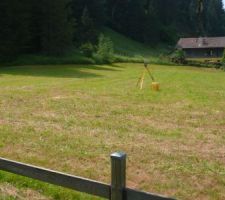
[14, 31]
[214, 20]
[56, 31]
[88, 31]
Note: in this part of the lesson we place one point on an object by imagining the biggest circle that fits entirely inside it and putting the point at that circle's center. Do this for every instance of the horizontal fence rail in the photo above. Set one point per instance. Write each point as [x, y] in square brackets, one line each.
[137, 195]
[116, 191]
[56, 178]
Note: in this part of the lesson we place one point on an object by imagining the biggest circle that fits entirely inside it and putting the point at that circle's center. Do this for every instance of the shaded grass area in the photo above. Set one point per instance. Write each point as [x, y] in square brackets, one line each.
[19, 188]
[70, 118]
[74, 57]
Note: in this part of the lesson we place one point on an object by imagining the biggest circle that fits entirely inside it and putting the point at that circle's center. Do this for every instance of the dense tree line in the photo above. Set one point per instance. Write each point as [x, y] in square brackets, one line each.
[154, 21]
[53, 27]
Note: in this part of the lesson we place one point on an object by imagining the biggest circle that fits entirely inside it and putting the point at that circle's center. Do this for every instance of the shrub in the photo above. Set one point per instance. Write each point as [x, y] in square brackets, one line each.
[178, 57]
[87, 49]
[105, 50]
[223, 61]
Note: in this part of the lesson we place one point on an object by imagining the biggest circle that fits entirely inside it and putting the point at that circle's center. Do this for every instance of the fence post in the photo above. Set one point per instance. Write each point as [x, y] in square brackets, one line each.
[118, 175]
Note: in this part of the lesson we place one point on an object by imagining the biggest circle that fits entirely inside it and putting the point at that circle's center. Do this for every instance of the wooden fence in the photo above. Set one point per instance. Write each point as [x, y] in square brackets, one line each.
[116, 191]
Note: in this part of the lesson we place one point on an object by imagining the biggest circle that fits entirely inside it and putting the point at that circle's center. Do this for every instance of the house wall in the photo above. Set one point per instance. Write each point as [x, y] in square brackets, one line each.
[204, 53]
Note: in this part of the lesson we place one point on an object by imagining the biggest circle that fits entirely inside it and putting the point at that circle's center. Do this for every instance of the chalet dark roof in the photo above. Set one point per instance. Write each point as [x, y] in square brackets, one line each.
[201, 42]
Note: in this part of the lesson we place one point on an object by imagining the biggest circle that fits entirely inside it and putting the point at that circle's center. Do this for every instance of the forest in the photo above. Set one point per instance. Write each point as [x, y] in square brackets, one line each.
[55, 27]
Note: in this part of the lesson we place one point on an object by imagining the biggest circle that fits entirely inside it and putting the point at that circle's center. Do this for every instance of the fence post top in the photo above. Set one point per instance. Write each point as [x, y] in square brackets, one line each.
[119, 155]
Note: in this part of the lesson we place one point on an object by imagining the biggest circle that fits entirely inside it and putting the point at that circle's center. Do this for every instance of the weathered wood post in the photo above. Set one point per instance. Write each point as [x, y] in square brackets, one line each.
[118, 175]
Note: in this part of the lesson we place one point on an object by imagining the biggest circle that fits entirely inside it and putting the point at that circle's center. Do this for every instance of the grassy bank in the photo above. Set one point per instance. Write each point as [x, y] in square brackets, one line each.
[71, 117]
[126, 50]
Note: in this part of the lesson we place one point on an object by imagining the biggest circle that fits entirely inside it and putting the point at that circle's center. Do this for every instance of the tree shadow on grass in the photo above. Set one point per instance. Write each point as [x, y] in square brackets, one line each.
[58, 71]
[116, 65]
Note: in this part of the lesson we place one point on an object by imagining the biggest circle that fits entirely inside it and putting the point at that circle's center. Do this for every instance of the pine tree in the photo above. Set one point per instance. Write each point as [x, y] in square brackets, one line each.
[215, 15]
[96, 11]
[88, 31]
[56, 31]
[90, 17]
[14, 32]
[223, 61]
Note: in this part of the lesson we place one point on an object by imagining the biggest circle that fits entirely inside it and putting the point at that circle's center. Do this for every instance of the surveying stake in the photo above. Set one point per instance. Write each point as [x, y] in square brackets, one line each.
[155, 85]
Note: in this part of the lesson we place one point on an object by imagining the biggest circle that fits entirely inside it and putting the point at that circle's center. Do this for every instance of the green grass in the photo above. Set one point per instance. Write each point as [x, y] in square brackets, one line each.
[70, 118]
[74, 57]
[128, 50]
[205, 59]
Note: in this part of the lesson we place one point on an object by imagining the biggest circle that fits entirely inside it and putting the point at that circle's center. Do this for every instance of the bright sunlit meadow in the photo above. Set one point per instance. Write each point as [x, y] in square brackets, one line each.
[71, 118]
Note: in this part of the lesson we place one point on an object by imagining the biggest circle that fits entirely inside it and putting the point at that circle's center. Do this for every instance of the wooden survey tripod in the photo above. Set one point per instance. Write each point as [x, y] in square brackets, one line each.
[141, 79]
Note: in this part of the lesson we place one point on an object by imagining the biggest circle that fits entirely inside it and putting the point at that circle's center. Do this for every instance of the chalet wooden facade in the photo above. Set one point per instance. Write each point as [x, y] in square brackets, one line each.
[203, 47]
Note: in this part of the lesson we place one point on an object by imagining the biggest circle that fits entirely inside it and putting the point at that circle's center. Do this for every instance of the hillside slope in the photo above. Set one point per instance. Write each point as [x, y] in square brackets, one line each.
[127, 47]
[126, 50]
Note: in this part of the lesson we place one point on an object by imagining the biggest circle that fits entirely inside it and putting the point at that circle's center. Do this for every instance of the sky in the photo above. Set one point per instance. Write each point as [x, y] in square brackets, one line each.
[224, 3]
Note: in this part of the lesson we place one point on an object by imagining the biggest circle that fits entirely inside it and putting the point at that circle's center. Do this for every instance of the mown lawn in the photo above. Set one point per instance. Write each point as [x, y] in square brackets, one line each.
[71, 118]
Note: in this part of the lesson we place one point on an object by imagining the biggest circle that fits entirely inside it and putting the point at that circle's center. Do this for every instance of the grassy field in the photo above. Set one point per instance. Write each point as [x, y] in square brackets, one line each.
[70, 118]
